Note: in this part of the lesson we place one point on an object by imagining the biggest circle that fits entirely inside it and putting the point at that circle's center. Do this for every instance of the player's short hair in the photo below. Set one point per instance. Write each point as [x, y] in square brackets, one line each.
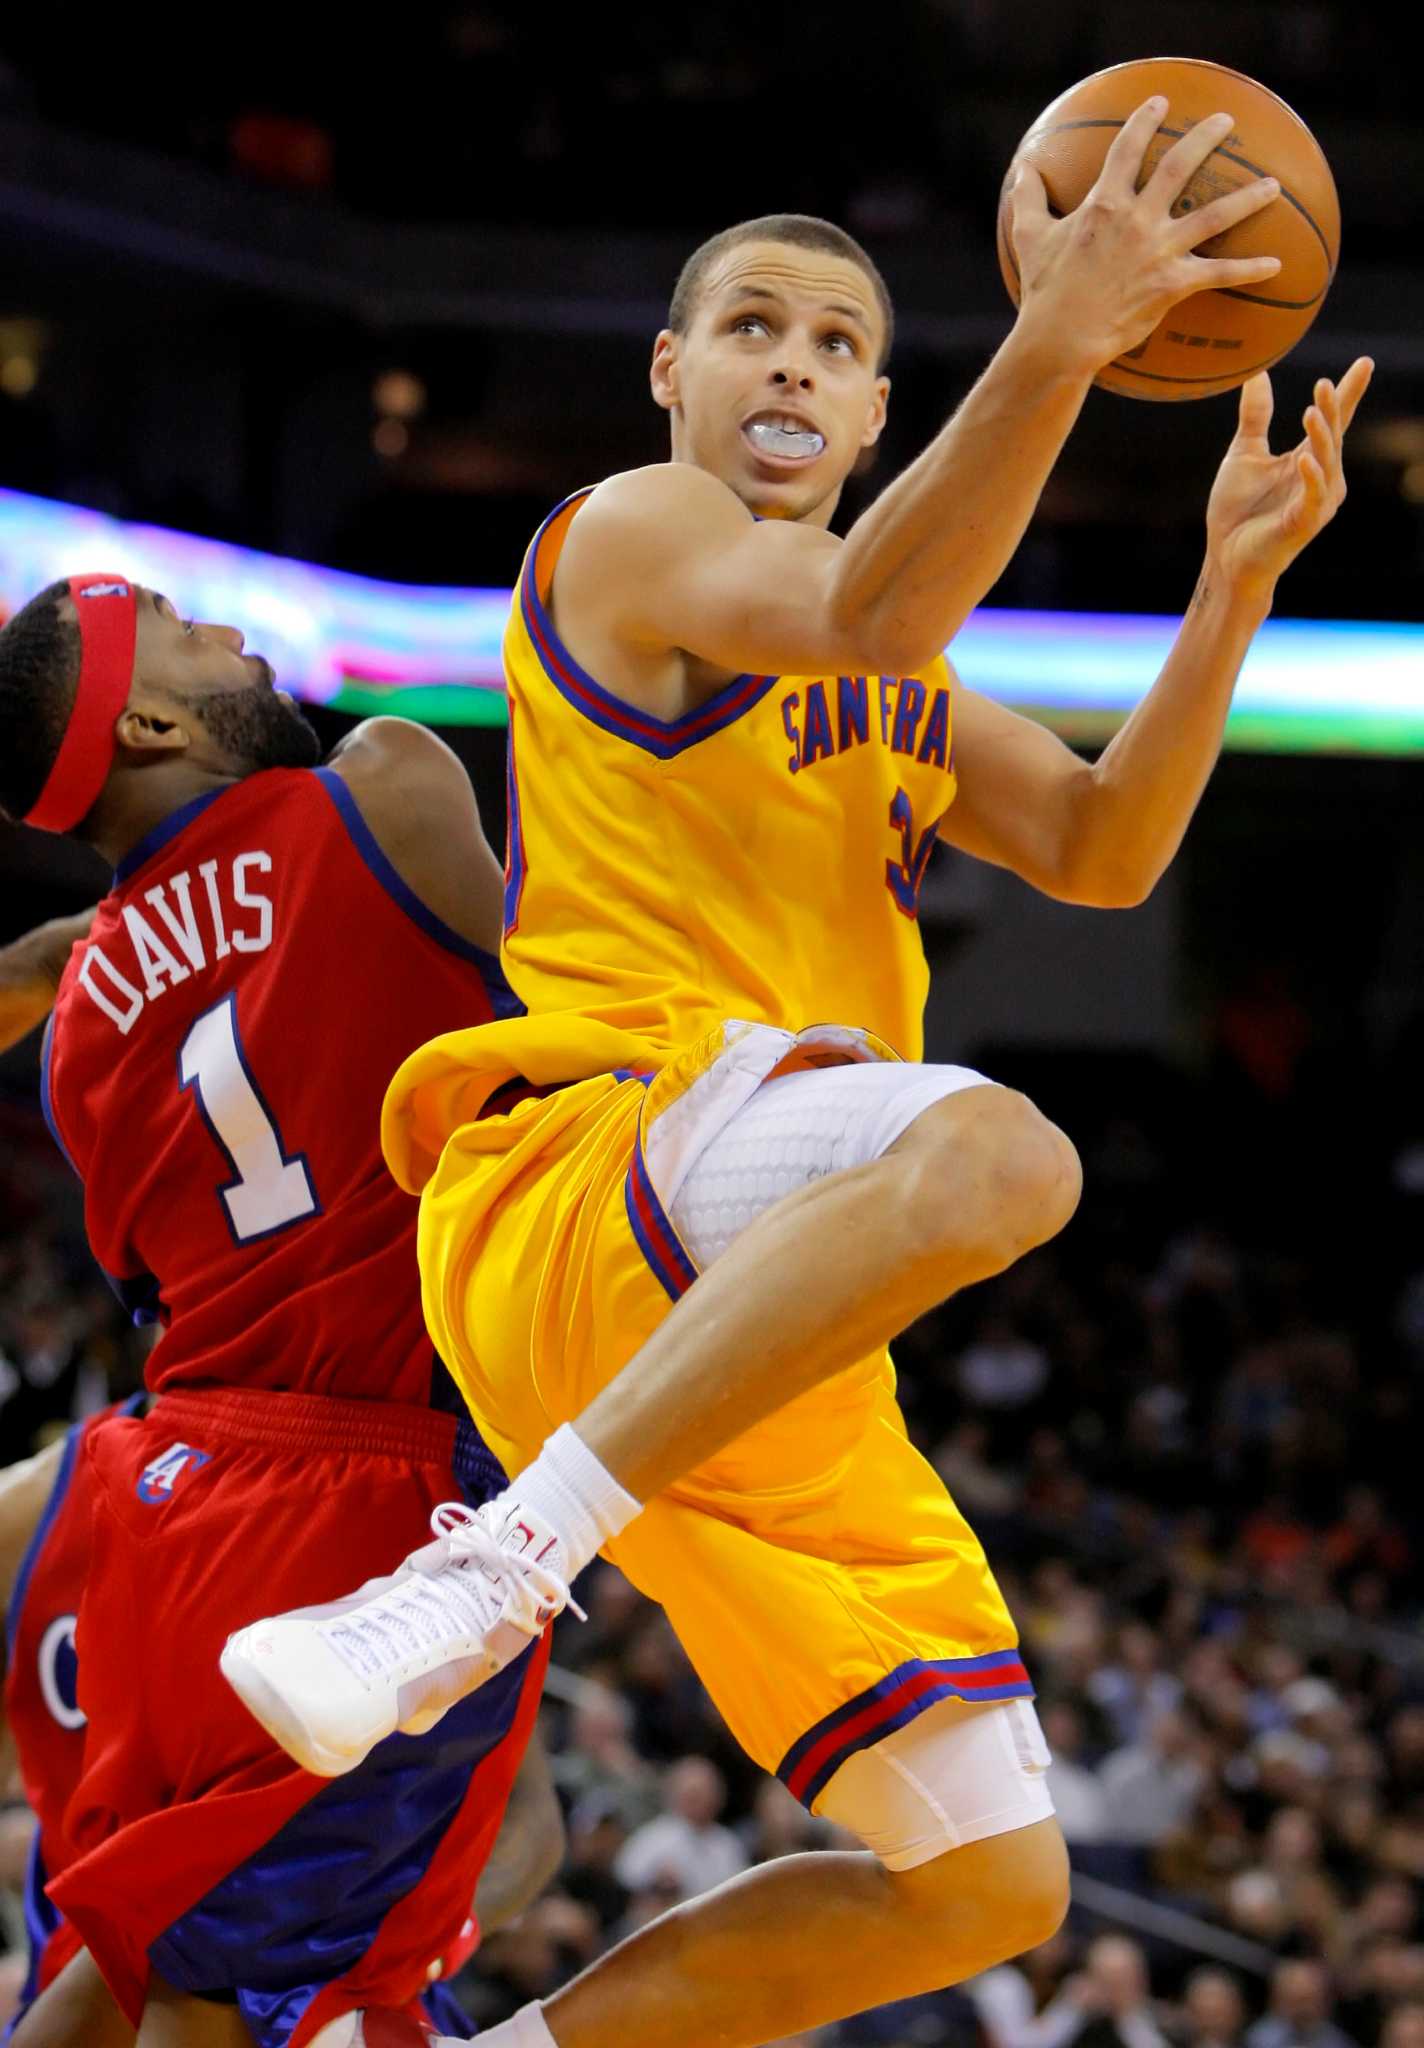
[40, 653]
[802, 231]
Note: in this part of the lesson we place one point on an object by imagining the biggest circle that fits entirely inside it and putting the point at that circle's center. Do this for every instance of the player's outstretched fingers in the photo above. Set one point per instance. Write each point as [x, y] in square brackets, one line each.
[1253, 414]
[1322, 443]
[1193, 229]
[1122, 166]
[1184, 159]
[1308, 512]
[1353, 386]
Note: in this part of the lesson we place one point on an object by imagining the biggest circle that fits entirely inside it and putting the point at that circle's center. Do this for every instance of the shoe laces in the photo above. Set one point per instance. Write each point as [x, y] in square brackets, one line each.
[466, 1536]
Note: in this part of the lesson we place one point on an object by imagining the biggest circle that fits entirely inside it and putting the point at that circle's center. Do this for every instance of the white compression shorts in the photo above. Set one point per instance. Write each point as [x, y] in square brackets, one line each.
[796, 1129]
[959, 1772]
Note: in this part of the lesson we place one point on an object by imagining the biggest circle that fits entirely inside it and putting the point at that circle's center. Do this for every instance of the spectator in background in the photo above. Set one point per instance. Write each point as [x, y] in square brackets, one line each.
[1213, 2011]
[1366, 1538]
[1301, 2008]
[596, 1839]
[1008, 1997]
[1001, 1370]
[1105, 2006]
[685, 1843]
[1078, 1797]
[780, 1825]
[672, 1715]
[599, 1758]
[1152, 1786]
[984, 1491]
[1134, 1689]
[1404, 2028]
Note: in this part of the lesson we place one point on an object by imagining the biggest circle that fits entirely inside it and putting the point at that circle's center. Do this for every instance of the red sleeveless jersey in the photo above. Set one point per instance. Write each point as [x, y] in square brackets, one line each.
[214, 1071]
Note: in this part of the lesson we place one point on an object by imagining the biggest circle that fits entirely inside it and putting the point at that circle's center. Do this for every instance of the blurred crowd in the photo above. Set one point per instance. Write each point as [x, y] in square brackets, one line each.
[1187, 1435]
[473, 110]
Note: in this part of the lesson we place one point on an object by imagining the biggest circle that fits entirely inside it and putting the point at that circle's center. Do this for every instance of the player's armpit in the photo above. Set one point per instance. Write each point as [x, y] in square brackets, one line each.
[1024, 803]
[30, 969]
[667, 558]
[415, 795]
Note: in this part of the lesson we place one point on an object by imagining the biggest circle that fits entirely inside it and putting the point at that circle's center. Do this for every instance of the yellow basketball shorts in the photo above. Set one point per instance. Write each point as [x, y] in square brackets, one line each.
[820, 1578]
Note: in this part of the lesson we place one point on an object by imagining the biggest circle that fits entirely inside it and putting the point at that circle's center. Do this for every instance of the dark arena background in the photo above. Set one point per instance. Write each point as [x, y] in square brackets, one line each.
[372, 295]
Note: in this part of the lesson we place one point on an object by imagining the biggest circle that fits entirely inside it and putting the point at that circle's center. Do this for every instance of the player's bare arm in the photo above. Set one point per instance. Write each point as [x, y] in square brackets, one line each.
[1105, 833]
[529, 1847]
[669, 584]
[415, 795]
[24, 1489]
[30, 968]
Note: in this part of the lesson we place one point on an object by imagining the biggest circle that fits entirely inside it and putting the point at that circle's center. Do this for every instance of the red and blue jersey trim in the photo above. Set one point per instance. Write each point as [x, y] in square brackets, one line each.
[47, 1096]
[153, 841]
[514, 860]
[810, 1764]
[663, 737]
[503, 1001]
[657, 1240]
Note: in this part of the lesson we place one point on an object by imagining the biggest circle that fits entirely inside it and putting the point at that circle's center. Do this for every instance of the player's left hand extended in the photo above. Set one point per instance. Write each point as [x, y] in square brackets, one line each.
[1265, 508]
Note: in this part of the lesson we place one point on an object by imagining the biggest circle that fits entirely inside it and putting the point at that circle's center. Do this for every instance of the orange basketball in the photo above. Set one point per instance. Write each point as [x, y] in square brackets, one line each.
[1216, 340]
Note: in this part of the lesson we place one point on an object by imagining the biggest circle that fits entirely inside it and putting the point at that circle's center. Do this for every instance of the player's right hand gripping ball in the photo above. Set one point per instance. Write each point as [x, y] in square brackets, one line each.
[1218, 339]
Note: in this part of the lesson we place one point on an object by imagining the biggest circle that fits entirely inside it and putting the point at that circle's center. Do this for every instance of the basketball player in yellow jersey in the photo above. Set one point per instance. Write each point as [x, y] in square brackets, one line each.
[733, 740]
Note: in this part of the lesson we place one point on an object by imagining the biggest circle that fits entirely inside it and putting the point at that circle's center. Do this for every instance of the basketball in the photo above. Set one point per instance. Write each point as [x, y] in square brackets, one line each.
[1216, 340]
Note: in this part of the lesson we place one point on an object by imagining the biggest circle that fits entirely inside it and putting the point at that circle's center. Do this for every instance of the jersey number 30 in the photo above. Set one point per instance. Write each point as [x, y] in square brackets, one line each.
[270, 1188]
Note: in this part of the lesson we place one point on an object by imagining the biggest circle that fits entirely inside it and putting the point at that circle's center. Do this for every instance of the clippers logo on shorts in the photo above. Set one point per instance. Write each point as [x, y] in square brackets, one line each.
[58, 1668]
[158, 1478]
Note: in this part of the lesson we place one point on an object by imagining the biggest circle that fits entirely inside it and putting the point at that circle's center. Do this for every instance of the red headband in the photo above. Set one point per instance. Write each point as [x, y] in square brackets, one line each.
[108, 627]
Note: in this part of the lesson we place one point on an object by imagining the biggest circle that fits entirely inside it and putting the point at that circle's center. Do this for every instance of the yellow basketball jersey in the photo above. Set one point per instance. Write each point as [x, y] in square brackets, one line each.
[759, 857]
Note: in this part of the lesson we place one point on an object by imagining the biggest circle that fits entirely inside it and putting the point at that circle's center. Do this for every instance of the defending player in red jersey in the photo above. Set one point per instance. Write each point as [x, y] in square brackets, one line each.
[277, 938]
[45, 1534]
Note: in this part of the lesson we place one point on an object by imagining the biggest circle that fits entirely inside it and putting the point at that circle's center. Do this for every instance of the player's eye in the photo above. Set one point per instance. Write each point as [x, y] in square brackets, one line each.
[187, 625]
[752, 322]
[841, 344]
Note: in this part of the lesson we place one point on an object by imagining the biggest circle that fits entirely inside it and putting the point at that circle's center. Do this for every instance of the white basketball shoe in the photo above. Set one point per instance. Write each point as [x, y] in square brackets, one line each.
[328, 1683]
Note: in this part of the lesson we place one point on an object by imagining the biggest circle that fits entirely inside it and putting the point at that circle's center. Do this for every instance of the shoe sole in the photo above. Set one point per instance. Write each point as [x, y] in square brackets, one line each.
[270, 1709]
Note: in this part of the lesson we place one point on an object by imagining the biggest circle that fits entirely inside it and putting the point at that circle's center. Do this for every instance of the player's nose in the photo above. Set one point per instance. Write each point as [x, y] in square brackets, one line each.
[230, 636]
[792, 372]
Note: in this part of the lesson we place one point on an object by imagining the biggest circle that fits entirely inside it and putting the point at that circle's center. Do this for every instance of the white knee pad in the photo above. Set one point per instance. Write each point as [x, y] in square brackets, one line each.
[797, 1129]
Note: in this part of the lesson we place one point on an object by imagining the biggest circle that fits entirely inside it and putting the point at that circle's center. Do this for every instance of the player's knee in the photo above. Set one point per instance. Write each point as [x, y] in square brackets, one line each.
[1005, 1895]
[995, 1166]
[1040, 1906]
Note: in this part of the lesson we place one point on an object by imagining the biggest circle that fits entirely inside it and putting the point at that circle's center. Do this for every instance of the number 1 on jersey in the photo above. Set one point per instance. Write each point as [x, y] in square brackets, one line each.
[268, 1190]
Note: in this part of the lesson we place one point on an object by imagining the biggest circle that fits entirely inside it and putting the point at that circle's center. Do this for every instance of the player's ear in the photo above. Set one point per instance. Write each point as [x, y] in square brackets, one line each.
[146, 727]
[664, 374]
[875, 414]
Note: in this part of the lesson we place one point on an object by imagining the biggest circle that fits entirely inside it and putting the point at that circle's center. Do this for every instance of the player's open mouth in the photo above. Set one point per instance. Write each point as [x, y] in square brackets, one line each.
[783, 437]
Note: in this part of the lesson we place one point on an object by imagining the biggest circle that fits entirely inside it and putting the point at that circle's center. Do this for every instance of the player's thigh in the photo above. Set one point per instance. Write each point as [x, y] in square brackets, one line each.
[77, 2010]
[960, 1772]
[800, 1128]
[172, 2019]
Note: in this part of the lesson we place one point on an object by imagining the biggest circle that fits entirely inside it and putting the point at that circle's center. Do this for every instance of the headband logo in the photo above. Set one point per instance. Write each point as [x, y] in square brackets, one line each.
[104, 590]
